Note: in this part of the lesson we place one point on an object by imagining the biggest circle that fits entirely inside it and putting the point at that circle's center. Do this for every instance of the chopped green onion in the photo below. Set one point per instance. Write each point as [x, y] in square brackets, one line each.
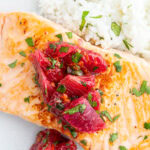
[60, 106]
[49, 107]
[84, 142]
[84, 14]
[115, 28]
[22, 53]
[100, 92]
[79, 108]
[60, 37]
[127, 44]
[76, 57]
[53, 63]
[83, 83]
[97, 17]
[113, 137]
[27, 99]
[145, 137]
[0, 84]
[61, 89]
[147, 125]
[52, 46]
[64, 49]
[69, 34]
[115, 118]
[95, 68]
[122, 148]
[22, 64]
[13, 64]
[106, 114]
[118, 66]
[117, 55]
[29, 41]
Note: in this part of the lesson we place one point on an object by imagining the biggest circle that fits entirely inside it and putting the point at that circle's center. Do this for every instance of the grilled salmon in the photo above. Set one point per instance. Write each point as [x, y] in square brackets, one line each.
[125, 103]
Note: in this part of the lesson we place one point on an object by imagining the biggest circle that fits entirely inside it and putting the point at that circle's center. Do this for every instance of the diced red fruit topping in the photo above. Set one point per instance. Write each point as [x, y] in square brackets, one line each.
[84, 119]
[77, 85]
[46, 86]
[89, 62]
[50, 139]
[55, 49]
[94, 99]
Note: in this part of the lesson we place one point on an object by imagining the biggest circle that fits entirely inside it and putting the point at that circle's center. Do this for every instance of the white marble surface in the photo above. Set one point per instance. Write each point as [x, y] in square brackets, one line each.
[15, 133]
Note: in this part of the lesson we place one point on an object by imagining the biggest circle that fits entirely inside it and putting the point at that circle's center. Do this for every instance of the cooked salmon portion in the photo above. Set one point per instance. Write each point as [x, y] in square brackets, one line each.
[122, 99]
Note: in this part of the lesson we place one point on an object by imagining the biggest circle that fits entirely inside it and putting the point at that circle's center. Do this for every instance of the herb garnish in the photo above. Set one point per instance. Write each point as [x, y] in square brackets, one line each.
[61, 65]
[117, 55]
[115, 28]
[127, 44]
[60, 37]
[22, 64]
[35, 79]
[115, 118]
[61, 89]
[106, 114]
[13, 64]
[147, 125]
[122, 148]
[71, 129]
[143, 89]
[118, 66]
[84, 14]
[79, 108]
[27, 99]
[53, 63]
[145, 137]
[83, 83]
[92, 103]
[60, 106]
[113, 137]
[22, 53]
[76, 57]
[59, 121]
[69, 34]
[45, 140]
[52, 46]
[97, 17]
[100, 92]
[64, 49]
[29, 41]
[49, 107]
[84, 142]
[95, 68]
[0, 84]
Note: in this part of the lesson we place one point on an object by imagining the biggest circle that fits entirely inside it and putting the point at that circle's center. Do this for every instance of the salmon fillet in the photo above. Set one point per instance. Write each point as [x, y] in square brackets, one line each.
[18, 83]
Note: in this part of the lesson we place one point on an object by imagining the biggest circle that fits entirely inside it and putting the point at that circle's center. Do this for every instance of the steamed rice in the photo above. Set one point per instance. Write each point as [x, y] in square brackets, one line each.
[131, 15]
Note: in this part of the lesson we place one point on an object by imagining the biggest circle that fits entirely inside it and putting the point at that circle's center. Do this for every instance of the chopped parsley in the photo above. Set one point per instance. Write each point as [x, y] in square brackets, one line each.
[118, 66]
[27, 99]
[84, 142]
[13, 64]
[83, 83]
[46, 91]
[64, 49]
[106, 114]
[84, 14]
[127, 44]
[76, 57]
[79, 108]
[60, 106]
[60, 37]
[61, 89]
[113, 137]
[49, 107]
[100, 92]
[92, 103]
[147, 125]
[61, 65]
[115, 118]
[95, 68]
[53, 63]
[116, 28]
[143, 89]
[45, 140]
[22, 64]
[72, 130]
[145, 137]
[35, 79]
[29, 41]
[122, 148]
[69, 34]
[0, 84]
[117, 55]
[97, 17]
[22, 53]
[59, 121]
[52, 46]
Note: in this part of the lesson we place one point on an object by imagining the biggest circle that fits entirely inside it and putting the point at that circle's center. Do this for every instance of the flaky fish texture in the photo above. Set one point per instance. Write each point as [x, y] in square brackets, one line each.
[18, 83]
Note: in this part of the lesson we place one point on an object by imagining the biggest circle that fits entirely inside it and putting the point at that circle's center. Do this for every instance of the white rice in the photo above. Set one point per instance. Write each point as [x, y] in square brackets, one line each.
[132, 15]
